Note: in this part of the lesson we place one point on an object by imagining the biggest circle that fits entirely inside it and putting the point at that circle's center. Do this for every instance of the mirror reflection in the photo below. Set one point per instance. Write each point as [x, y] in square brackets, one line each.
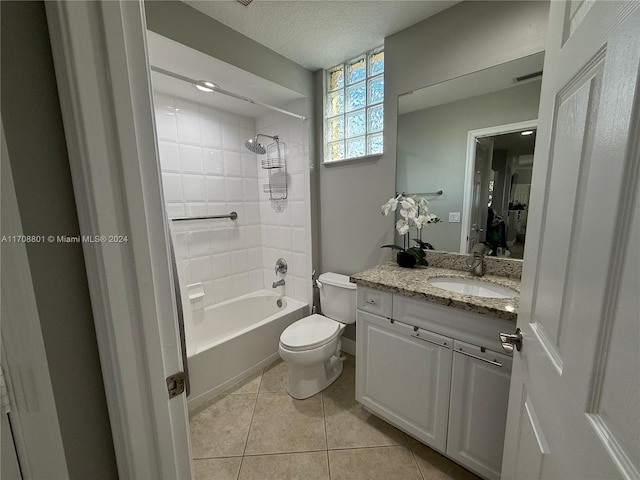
[468, 144]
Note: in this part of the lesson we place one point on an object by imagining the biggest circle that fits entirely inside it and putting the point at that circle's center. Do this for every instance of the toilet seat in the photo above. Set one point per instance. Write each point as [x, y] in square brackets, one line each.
[311, 332]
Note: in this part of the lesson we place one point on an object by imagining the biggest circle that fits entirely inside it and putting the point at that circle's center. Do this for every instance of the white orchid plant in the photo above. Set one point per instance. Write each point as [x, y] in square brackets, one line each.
[414, 211]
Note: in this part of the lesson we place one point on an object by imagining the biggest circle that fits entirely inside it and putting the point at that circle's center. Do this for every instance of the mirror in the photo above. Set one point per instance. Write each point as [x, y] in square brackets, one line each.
[465, 145]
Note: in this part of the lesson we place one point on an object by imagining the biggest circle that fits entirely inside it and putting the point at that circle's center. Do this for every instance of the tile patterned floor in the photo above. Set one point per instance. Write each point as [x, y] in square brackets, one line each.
[256, 431]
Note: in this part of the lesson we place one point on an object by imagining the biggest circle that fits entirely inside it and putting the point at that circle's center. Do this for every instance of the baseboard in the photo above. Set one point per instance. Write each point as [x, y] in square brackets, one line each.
[348, 346]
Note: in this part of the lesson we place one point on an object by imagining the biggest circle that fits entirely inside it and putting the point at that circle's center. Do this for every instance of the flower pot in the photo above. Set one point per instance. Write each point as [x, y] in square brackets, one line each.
[405, 259]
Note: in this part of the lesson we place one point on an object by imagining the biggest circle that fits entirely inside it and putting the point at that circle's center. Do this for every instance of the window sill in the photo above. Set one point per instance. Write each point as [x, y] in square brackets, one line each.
[366, 158]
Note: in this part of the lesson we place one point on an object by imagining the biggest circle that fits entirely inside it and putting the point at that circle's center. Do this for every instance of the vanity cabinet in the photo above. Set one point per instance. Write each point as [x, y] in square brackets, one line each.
[435, 372]
[405, 374]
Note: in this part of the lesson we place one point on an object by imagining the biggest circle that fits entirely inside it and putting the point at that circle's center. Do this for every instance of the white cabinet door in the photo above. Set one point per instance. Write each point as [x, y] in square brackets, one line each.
[478, 412]
[403, 375]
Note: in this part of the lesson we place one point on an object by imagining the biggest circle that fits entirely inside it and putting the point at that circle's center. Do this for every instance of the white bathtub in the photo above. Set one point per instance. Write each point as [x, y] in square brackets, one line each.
[236, 339]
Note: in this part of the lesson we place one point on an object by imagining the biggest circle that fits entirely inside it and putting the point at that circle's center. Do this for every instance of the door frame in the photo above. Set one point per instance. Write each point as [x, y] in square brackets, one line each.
[472, 135]
[35, 431]
[110, 131]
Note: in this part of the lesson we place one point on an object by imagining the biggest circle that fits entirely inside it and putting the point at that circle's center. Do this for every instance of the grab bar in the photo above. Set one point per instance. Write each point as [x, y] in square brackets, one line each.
[428, 194]
[232, 216]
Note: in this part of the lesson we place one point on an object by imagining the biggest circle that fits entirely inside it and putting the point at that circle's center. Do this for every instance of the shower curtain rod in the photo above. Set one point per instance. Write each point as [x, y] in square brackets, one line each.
[216, 88]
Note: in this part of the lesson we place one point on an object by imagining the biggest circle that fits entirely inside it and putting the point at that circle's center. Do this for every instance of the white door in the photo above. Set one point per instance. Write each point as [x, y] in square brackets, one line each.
[475, 232]
[103, 79]
[574, 405]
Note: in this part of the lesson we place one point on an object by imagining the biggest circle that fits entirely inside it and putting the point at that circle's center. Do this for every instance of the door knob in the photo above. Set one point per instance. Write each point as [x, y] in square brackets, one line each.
[509, 340]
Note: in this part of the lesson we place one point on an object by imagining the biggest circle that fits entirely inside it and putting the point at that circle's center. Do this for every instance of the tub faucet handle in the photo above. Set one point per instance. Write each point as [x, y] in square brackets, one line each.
[281, 266]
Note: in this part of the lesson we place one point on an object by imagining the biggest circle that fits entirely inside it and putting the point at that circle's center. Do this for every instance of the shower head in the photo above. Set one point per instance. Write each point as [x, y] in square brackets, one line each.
[255, 146]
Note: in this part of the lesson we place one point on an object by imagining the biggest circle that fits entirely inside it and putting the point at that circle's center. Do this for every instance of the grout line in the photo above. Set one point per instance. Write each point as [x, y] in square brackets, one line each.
[368, 446]
[253, 413]
[240, 469]
[324, 422]
[296, 452]
[416, 461]
[216, 458]
[261, 378]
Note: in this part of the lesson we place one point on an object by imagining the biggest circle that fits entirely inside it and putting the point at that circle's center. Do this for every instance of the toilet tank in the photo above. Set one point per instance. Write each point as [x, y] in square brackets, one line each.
[337, 297]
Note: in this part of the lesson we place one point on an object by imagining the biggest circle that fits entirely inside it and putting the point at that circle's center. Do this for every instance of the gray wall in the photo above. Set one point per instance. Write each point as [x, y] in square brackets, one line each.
[465, 38]
[42, 178]
[432, 150]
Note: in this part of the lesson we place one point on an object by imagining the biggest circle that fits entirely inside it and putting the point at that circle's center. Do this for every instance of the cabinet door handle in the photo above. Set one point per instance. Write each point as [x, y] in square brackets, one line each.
[492, 362]
[371, 302]
[430, 341]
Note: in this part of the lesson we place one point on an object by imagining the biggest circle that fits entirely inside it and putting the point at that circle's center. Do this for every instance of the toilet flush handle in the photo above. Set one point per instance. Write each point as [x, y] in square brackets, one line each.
[319, 284]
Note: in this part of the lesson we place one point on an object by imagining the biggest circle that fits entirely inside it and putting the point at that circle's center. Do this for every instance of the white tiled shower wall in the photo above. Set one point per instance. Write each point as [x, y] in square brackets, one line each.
[287, 234]
[207, 170]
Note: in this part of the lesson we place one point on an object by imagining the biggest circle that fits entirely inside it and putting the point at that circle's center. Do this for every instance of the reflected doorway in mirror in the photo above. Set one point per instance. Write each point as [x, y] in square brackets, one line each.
[498, 182]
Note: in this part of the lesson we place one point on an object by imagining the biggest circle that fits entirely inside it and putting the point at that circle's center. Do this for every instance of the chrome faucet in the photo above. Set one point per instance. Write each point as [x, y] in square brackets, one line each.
[279, 283]
[475, 261]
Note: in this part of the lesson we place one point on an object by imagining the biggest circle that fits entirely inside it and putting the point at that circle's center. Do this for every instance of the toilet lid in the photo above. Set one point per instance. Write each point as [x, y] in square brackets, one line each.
[310, 332]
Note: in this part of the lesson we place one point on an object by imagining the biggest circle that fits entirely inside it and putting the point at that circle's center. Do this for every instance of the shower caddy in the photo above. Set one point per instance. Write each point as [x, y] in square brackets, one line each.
[276, 164]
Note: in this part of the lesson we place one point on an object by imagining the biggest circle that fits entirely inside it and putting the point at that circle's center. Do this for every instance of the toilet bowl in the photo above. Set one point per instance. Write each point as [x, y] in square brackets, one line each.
[311, 346]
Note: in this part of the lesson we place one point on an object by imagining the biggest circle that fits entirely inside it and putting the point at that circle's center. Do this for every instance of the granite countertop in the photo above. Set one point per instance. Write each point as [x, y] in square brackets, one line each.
[414, 283]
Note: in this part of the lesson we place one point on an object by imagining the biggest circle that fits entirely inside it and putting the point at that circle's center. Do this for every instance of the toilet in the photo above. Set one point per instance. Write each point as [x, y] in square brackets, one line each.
[311, 346]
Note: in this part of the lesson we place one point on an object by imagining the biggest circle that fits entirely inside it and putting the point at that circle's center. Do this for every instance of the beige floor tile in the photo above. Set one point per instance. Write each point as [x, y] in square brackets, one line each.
[382, 463]
[220, 429]
[217, 468]
[274, 377]
[437, 467]
[350, 426]
[248, 385]
[347, 378]
[290, 466]
[282, 424]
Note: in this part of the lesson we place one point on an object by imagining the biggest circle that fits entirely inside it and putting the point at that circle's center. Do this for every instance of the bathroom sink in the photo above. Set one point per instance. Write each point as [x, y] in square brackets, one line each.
[471, 286]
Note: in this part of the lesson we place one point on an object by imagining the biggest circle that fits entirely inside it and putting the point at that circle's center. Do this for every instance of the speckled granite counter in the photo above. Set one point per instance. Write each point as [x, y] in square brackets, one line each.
[414, 282]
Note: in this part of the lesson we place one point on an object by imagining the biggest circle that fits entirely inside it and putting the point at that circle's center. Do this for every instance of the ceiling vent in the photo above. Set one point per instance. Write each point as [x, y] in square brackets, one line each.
[245, 2]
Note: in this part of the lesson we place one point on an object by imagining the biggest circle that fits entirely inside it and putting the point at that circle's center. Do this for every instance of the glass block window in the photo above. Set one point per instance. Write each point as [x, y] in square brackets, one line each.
[354, 107]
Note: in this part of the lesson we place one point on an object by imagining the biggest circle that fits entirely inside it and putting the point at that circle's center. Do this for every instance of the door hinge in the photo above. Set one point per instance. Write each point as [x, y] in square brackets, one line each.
[175, 384]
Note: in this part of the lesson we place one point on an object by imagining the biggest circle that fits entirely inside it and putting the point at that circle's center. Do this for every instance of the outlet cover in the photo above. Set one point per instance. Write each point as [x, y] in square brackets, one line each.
[454, 217]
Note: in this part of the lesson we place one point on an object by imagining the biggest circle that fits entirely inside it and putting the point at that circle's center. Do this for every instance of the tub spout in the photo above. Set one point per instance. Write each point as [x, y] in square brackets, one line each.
[279, 283]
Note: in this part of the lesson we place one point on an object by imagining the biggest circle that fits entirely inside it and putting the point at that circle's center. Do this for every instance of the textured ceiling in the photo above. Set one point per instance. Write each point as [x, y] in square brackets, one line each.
[320, 34]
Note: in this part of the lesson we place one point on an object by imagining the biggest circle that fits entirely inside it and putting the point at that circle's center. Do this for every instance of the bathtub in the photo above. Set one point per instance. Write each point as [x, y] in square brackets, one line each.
[235, 339]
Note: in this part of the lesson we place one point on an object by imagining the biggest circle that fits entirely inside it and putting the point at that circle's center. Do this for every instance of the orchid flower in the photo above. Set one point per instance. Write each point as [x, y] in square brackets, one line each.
[409, 208]
[432, 218]
[424, 205]
[391, 205]
[420, 221]
[402, 226]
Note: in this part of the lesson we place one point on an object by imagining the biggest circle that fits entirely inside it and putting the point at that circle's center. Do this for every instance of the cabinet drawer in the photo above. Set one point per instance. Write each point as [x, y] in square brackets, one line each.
[480, 353]
[451, 322]
[375, 301]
